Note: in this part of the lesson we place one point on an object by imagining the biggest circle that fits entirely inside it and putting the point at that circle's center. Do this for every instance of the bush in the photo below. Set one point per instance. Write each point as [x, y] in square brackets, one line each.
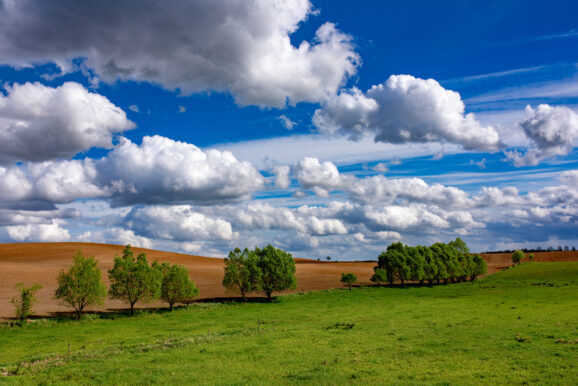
[25, 300]
[517, 256]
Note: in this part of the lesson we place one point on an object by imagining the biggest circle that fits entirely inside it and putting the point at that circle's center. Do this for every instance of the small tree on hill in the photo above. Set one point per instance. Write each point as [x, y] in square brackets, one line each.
[517, 256]
[348, 279]
[531, 257]
[277, 270]
[379, 276]
[81, 286]
[25, 300]
[134, 280]
[479, 267]
[241, 272]
[176, 286]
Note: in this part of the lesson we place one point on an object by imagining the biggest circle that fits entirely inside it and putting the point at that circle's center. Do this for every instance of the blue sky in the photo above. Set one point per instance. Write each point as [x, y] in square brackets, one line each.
[324, 127]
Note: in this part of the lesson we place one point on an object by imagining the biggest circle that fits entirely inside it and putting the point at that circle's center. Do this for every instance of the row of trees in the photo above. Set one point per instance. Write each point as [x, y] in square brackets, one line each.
[435, 263]
[131, 279]
[259, 270]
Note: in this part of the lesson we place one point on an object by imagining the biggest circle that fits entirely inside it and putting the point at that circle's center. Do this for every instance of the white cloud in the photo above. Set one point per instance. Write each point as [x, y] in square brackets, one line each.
[551, 130]
[161, 170]
[240, 46]
[406, 109]
[40, 123]
[180, 223]
[38, 233]
[321, 177]
[182, 109]
[116, 235]
[282, 179]
[287, 122]
[134, 108]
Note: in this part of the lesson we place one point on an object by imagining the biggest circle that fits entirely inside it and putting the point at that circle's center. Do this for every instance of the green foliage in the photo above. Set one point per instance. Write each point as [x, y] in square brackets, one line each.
[531, 257]
[25, 300]
[460, 245]
[81, 286]
[479, 267]
[517, 256]
[379, 275]
[277, 269]
[348, 279]
[242, 274]
[438, 262]
[133, 280]
[176, 286]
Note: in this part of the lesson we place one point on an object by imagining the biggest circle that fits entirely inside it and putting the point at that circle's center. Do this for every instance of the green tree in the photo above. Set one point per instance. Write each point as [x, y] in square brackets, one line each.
[81, 286]
[176, 285]
[379, 276]
[133, 280]
[25, 300]
[430, 266]
[517, 256]
[348, 279]
[531, 257]
[277, 270]
[241, 272]
[460, 245]
[479, 267]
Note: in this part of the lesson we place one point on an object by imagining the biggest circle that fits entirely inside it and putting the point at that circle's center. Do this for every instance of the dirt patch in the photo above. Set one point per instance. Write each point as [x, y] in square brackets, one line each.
[32, 263]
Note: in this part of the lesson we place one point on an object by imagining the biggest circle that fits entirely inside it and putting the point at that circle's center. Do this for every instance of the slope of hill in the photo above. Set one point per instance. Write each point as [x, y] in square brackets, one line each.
[32, 263]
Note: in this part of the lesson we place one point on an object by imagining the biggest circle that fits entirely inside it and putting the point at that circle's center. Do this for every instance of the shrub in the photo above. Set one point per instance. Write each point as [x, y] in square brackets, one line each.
[25, 300]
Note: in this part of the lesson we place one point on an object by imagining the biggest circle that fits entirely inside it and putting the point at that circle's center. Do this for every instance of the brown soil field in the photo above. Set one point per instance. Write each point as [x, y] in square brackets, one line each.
[31, 263]
[499, 261]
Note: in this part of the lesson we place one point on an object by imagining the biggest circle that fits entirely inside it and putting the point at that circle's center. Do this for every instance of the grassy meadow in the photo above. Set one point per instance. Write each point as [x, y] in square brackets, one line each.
[519, 326]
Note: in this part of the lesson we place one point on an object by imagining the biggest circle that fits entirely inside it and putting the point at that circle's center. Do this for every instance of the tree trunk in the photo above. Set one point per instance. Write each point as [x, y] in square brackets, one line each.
[243, 297]
[268, 293]
[171, 306]
[350, 286]
[132, 308]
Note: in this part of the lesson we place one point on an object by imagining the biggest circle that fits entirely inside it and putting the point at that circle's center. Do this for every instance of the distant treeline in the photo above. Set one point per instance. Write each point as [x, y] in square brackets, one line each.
[436, 263]
[537, 249]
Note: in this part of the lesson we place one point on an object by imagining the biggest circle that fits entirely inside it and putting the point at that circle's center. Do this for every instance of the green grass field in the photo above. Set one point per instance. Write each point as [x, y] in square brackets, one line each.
[519, 326]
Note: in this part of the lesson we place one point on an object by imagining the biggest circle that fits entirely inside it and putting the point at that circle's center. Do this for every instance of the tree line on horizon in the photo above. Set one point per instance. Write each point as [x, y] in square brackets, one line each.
[438, 262]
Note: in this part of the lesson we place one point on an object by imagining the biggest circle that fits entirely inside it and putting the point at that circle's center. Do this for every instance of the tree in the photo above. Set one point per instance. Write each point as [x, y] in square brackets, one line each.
[134, 280]
[348, 279]
[81, 286]
[479, 267]
[176, 286]
[277, 270]
[517, 257]
[379, 275]
[531, 257]
[460, 245]
[241, 272]
[25, 300]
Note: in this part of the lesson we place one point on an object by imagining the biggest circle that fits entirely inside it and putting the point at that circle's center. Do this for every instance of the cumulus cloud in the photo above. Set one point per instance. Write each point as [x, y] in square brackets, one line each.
[322, 178]
[162, 170]
[38, 233]
[551, 131]
[282, 179]
[406, 109]
[159, 170]
[40, 123]
[116, 235]
[240, 46]
[179, 223]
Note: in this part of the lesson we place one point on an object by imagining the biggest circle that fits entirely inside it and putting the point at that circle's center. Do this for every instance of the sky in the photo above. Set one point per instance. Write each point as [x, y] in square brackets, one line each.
[326, 128]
